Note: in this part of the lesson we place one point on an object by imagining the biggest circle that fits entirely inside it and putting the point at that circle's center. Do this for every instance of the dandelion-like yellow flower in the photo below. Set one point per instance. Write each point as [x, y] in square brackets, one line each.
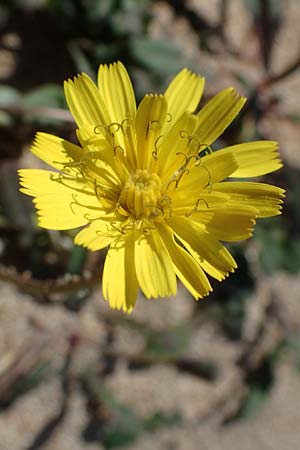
[145, 183]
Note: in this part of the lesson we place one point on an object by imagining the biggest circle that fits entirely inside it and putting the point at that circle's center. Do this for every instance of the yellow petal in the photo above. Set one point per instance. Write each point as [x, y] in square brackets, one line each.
[254, 158]
[150, 118]
[62, 203]
[85, 102]
[99, 152]
[213, 168]
[36, 182]
[231, 223]
[204, 244]
[90, 134]
[55, 151]
[173, 145]
[56, 212]
[217, 114]
[188, 203]
[96, 235]
[267, 199]
[116, 90]
[186, 267]
[218, 274]
[119, 281]
[154, 268]
[183, 95]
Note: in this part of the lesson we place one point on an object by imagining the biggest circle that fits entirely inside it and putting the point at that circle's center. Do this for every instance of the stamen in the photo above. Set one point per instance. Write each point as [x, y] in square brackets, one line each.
[155, 152]
[185, 171]
[111, 129]
[75, 165]
[153, 125]
[128, 227]
[101, 234]
[127, 121]
[186, 159]
[99, 188]
[62, 163]
[198, 162]
[120, 210]
[154, 155]
[76, 202]
[87, 217]
[117, 245]
[177, 180]
[170, 182]
[55, 177]
[209, 178]
[195, 209]
[118, 148]
[99, 126]
[123, 229]
[202, 200]
[147, 230]
[184, 134]
[194, 143]
[80, 165]
[74, 197]
[61, 179]
[114, 227]
[169, 117]
[166, 199]
[106, 197]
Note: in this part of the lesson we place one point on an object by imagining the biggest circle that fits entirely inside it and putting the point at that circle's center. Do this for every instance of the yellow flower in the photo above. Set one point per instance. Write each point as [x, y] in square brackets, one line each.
[145, 183]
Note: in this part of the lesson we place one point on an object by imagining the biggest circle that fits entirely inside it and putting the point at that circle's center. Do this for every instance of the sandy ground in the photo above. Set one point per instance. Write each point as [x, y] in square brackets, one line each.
[44, 331]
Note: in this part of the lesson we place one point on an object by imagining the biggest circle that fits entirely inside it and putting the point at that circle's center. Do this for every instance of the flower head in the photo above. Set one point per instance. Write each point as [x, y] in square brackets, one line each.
[145, 182]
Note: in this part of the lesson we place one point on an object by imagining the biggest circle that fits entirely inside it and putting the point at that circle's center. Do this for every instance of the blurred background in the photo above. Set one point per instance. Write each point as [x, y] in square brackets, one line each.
[175, 375]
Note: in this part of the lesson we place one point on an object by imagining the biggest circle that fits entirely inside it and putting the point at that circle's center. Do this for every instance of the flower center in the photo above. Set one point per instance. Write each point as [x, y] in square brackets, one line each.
[141, 195]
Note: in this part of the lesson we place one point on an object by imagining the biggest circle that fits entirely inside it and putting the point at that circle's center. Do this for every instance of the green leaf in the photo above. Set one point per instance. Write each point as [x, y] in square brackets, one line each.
[121, 425]
[169, 342]
[106, 52]
[161, 419]
[81, 60]
[25, 383]
[123, 429]
[275, 7]
[45, 96]
[98, 10]
[5, 119]
[292, 345]
[8, 96]
[260, 381]
[278, 250]
[76, 260]
[253, 403]
[161, 57]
